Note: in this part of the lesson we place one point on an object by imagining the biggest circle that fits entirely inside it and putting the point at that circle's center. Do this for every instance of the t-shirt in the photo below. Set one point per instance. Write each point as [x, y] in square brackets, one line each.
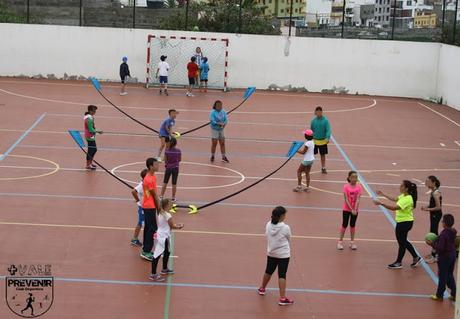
[168, 123]
[204, 69]
[139, 189]
[164, 230]
[192, 68]
[352, 193]
[173, 157]
[405, 214]
[90, 128]
[124, 70]
[150, 182]
[309, 155]
[198, 57]
[163, 68]
[218, 117]
[321, 130]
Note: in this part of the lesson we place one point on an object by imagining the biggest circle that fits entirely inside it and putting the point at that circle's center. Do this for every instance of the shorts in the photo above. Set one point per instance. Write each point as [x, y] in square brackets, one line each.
[307, 163]
[123, 79]
[167, 138]
[217, 134]
[174, 172]
[163, 79]
[204, 80]
[273, 263]
[321, 148]
[191, 81]
[140, 216]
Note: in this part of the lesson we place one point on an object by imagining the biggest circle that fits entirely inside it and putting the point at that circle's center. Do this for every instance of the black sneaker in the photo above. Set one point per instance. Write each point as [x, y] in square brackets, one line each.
[417, 261]
[161, 92]
[323, 170]
[212, 158]
[395, 266]
[225, 159]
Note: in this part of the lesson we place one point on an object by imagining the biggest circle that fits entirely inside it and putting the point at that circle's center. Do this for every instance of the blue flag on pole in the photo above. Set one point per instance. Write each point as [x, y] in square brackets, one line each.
[295, 146]
[77, 138]
[95, 83]
[249, 92]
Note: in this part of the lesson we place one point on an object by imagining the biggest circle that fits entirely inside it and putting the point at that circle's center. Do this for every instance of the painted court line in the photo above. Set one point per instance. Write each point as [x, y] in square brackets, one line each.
[22, 137]
[196, 232]
[457, 142]
[237, 287]
[439, 113]
[383, 209]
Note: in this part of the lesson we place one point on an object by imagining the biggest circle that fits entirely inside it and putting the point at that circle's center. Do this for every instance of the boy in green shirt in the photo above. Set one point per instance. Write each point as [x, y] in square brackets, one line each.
[321, 135]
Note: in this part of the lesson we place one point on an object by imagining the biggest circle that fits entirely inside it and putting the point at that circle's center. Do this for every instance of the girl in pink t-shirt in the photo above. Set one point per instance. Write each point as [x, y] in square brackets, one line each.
[352, 195]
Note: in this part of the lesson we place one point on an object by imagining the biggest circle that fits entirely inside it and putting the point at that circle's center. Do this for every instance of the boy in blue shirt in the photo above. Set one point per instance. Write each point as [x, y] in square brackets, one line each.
[204, 69]
[166, 130]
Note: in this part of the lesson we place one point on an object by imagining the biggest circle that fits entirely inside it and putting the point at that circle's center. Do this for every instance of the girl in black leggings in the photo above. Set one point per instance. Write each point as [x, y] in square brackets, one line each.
[404, 206]
[435, 209]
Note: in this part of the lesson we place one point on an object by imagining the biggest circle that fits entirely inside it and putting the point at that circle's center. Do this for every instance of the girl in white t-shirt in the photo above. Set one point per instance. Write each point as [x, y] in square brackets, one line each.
[162, 241]
[137, 193]
[308, 158]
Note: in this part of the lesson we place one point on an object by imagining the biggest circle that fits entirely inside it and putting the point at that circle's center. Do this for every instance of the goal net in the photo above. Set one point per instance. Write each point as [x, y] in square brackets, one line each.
[179, 51]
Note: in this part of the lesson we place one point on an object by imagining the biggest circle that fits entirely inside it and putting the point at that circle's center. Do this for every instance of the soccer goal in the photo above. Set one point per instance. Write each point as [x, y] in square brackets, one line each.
[179, 51]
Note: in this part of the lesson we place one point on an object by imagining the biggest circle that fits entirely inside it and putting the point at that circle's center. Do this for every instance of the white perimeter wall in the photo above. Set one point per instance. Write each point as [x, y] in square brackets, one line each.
[449, 76]
[390, 68]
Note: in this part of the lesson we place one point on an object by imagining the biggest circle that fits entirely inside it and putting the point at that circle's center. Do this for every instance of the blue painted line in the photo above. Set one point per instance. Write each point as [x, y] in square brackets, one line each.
[128, 199]
[238, 287]
[385, 212]
[23, 136]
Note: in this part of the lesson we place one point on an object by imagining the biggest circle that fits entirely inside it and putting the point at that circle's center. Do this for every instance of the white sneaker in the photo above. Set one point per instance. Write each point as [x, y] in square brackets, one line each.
[123, 93]
[339, 245]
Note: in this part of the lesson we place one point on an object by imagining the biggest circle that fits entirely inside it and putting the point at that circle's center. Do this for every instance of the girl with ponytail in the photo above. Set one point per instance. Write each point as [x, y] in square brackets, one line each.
[435, 210]
[403, 206]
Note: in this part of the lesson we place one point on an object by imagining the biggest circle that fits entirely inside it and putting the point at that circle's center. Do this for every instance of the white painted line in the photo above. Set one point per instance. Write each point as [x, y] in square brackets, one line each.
[440, 114]
[442, 144]
[390, 174]
[417, 180]
[457, 142]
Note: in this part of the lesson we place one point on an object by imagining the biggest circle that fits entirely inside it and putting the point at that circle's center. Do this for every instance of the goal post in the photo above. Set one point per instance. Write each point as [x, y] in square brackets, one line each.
[179, 51]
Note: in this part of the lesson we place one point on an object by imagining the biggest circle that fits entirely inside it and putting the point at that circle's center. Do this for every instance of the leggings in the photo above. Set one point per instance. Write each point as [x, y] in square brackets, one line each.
[92, 149]
[166, 254]
[281, 263]
[435, 218]
[345, 217]
[401, 231]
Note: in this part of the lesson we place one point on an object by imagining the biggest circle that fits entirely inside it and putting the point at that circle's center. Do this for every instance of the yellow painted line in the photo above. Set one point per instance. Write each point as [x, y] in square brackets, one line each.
[199, 232]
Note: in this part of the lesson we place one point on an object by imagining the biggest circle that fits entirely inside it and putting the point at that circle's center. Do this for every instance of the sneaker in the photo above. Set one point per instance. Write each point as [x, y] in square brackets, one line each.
[431, 259]
[339, 245]
[212, 158]
[261, 291]
[306, 189]
[167, 272]
[174, 200]
[123, 93]
[147, 256]
[91, 168]
[435, 298]
[136, 242]
[323, 170]
[417, 261]
[353, 246]
[285, 302]
[298, 189]
[166, 93]
[225, 159]
[394, 266]
[161, 92]
[156, 277]
[452, 298]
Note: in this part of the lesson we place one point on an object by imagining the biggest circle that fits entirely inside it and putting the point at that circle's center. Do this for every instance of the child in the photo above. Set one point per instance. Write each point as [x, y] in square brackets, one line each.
[162, 70]
[137, 194]
[192, 69]
[352, 195]
[279, 251]
[173, 157]
[204, 69]
[90, 136]
[435, 209]
[124, 73]
[199, 59]
[322, 129]
[308, 159]
[219, 120]
[445, 248]
[163, 239]
[166, 130]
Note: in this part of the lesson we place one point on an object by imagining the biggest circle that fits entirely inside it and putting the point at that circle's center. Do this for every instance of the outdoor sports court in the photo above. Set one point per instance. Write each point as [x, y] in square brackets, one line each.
[56, 212]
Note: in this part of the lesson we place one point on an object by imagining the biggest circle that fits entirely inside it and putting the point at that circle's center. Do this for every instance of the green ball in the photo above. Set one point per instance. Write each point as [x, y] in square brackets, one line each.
[431, 237]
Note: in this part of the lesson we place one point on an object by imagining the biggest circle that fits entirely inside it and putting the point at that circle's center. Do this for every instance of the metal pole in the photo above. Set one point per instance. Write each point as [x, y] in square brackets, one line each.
[186, 14]
[443, 14]
[239, 16]
[343, 18]
[394, 21]
[28, 11]
[455, 22]
[134, 14]
[290, 16]
[81, 12]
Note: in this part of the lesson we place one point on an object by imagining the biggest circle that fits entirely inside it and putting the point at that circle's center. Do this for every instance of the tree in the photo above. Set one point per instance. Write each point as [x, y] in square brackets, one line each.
[223, 16]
